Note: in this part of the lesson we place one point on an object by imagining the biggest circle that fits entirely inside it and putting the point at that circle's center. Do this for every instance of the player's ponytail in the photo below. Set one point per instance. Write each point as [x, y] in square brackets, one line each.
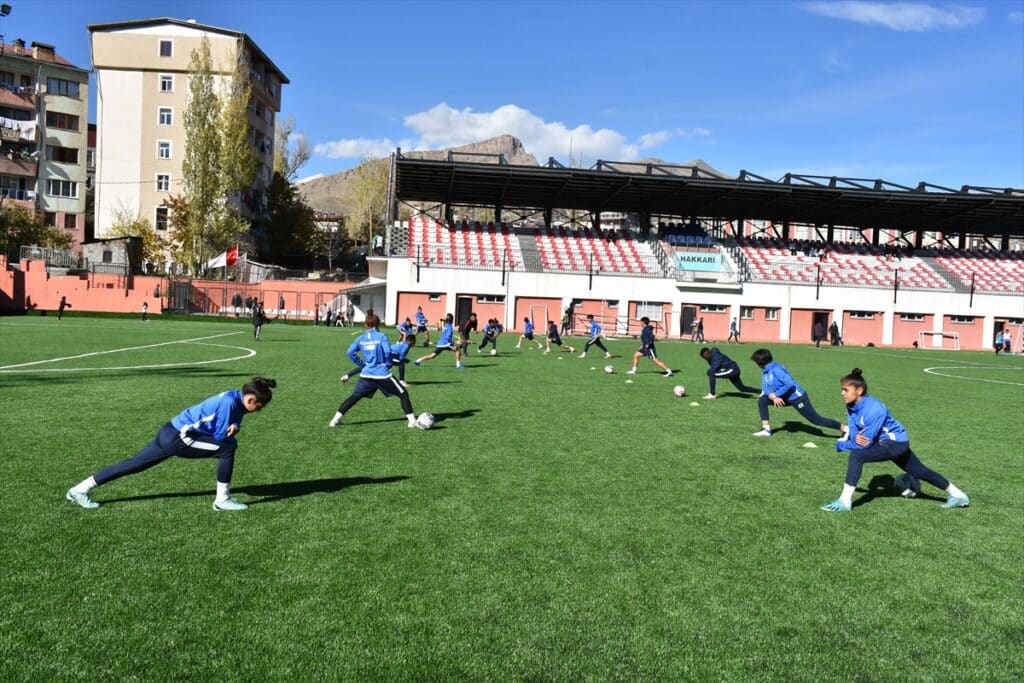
[856, 379]
[260, 387]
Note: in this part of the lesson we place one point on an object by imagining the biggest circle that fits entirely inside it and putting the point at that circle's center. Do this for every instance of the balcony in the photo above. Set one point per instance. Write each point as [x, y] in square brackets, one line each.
[18, 98]
[19, 167]
[23, 198]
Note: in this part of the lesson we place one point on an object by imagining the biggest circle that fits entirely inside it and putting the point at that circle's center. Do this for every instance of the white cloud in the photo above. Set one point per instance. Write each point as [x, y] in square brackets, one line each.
[900, 16]
[354, 148]
[1015, 17]
[444, 126]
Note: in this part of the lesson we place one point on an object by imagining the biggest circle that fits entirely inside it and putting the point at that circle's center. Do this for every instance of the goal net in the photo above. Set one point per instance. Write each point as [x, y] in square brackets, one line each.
[939, 340]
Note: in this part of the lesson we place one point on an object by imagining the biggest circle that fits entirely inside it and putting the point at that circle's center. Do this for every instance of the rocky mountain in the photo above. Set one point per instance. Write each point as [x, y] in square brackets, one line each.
[327, 193]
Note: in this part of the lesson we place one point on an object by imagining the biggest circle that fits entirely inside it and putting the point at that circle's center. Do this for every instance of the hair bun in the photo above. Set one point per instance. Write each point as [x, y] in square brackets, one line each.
[263, 380]
[857, 372]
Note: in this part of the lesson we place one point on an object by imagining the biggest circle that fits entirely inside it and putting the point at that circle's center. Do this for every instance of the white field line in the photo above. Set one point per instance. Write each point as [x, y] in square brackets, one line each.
[915, 356]
[6, 368]
[932, 371]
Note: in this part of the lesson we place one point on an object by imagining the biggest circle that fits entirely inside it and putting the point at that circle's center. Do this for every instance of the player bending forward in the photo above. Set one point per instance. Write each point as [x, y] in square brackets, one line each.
[376, 371]
[720, 366]
[876, 436]
[556, 339]
[596, 332]
[206, 430]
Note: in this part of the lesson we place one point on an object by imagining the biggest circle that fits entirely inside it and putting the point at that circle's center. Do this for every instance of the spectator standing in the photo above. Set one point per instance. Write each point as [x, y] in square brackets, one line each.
[734, 332]
[61, 306]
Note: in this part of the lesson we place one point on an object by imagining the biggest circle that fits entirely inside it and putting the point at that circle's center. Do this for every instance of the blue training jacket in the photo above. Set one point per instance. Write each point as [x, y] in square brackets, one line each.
[421, 319]
[376, 350]
[595, 329]
[213, 416]
[719, 362]
[872, 418]
[446, 335]
[406, 328]
[647, 336]
[529, 328]
[399, 350]
[775, 379]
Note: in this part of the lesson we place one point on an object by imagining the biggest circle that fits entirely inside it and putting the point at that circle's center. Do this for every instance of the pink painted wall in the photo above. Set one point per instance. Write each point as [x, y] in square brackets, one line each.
[759, 329]
[904, 332]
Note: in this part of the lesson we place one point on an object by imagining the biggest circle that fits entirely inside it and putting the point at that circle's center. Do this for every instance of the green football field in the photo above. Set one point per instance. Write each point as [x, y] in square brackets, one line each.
[558, 523]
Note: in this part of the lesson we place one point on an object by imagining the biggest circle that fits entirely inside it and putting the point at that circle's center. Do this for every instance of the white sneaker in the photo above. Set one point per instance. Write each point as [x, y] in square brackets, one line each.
[344, 379]
[546, 351]
[763, 432]
[229, 504]
[335, 421]
[412, 424]
[607, 355]
[631, 372]
[583, 355]
[669, 373]
[81, 499]
[403, 383]
[517, 346]
[416, 362]
[710, 397]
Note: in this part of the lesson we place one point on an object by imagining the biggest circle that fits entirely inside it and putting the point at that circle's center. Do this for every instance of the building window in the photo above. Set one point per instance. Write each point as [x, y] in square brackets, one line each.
[862, 315]
[58, 86]
[166, 48]
[6, 80]
[961, 319]
[613, 303]
[108, 256]
[433, 297]
[50, 219]
[166, 83]
[90, 158]
[161, 218]
[166, 116]
[70, 221]
[911, 317]
[712, 308]
[62, 188]
[163, 149]
[771, 314]
[58, 119]
[490, 298]
[163, 182]
[746, 312]
[65, 155]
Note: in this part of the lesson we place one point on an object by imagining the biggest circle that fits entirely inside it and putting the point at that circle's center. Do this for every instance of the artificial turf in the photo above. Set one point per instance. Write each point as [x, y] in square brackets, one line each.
[558, 523]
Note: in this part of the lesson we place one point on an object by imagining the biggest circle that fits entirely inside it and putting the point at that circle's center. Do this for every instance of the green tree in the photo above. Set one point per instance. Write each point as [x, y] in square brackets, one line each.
[21, 227]
[128, 223]
[367, 200]
[238, 159]
[201, 183]
[291, 226]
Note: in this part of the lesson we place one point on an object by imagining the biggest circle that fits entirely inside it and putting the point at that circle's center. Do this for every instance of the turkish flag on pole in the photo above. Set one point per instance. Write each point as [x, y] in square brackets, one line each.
[228, 258]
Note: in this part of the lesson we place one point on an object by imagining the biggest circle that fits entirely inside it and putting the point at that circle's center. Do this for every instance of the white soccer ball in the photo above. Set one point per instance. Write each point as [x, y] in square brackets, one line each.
[679, 391]
[494, 352]
[609, 369]
[425, 421]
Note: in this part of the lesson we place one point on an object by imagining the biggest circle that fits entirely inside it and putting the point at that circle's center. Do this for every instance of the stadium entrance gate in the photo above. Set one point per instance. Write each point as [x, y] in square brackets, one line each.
[686, 319]
[463, 307]
[179, 296]
[819, 317]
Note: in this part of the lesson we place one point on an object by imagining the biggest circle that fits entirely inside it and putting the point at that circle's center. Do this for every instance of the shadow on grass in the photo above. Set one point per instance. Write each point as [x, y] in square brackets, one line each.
[462, 414]
[884, 486]
[801, 427]
[418, 383]
[738, 394]
[275, 492]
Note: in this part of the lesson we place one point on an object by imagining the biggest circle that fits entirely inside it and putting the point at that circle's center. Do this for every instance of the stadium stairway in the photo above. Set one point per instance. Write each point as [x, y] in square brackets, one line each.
[531, 255]
[946, 274]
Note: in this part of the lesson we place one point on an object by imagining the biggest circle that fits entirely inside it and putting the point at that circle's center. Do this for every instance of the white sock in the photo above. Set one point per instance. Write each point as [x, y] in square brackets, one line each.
[847, 495]
[411, 417]
[85, 485]
[954, 491]
[223, 490]
[336, 419]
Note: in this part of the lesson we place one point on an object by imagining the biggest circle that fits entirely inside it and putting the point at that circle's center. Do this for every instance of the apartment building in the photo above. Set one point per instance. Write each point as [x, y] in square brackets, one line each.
[44, 106]
[142, 84]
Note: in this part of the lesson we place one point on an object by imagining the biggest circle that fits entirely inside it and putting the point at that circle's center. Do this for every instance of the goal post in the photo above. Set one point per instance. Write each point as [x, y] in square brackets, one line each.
[945, 335]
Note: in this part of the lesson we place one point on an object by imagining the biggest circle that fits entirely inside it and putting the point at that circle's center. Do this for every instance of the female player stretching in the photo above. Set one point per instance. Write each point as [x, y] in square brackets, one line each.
[779, 388]
[376, 373]
[206, 430]
[876, 436]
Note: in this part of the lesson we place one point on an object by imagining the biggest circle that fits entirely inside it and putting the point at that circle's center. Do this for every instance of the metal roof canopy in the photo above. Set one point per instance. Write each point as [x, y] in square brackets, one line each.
[685, 191]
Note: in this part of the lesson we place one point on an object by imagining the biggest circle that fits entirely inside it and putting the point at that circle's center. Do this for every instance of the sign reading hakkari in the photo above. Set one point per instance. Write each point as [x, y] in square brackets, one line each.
[705, 261]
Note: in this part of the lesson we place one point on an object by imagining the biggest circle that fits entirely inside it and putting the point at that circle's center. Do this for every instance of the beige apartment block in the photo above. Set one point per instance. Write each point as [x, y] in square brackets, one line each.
[142, 84]
[44, 107]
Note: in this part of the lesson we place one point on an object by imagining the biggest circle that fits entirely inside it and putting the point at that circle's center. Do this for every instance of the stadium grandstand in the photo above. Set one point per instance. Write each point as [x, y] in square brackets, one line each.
[890, 264]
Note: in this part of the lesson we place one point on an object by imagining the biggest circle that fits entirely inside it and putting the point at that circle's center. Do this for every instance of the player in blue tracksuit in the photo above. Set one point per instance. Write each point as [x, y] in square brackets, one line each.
[375, 361]
[778, 387]
[596, 331]
[205, 430]
[407, 332]
[491, 331]
[875, 436]
[527, 334]
[399, 353]
[446, 342]
[647, 349]
[555, 338]
[421, 325]
[720, 366]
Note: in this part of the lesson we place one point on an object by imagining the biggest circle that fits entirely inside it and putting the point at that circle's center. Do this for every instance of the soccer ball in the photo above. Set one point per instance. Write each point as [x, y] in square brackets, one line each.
[425, 421]
[609, 369]
[494, 352]
[679, 391]
[908, 482]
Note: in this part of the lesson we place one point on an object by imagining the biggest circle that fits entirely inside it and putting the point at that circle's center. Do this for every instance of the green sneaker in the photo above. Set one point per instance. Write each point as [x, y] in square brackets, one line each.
[229, 504]
[957, 502]
[81, 499]
[836, 506]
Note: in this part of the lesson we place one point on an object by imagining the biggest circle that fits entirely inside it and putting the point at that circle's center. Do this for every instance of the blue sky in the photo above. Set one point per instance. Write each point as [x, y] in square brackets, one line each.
[902, 91]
